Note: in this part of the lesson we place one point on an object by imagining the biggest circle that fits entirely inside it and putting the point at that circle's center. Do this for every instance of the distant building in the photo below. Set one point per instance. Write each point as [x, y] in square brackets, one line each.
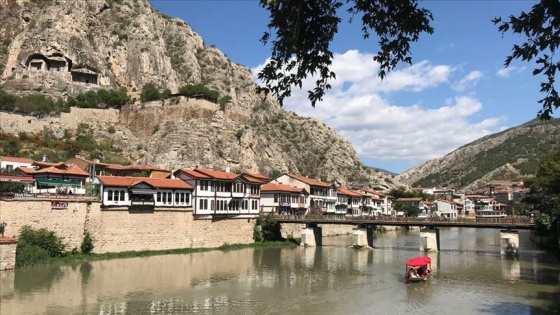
[11, 163]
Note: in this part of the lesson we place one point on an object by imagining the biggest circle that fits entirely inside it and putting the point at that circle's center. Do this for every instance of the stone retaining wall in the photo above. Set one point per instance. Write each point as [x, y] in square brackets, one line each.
[7, 253]
[119, 230]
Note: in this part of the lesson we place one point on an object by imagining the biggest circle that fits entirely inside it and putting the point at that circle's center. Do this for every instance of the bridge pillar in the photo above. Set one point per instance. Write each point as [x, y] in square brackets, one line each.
[429, 240]
[311, 236]
[362, 236]
[509, 241]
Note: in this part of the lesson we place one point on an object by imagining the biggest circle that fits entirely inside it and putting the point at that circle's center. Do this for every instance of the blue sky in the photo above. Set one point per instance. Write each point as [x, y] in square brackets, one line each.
[456, 90]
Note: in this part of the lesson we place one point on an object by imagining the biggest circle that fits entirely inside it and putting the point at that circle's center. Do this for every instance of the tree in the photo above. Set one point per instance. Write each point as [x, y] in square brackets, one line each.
[305, 29]
[541, 27]
[545, 196]
[409, 209]
[149, 93]
[301, 32]
[7, 101]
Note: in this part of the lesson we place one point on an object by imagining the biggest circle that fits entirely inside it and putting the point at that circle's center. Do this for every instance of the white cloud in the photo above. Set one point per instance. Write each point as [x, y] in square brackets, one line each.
[360, 109]
[506, 72]
[469, 81]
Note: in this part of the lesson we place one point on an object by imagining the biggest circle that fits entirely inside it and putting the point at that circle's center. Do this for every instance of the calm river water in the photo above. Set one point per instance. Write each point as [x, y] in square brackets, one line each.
[470, 277]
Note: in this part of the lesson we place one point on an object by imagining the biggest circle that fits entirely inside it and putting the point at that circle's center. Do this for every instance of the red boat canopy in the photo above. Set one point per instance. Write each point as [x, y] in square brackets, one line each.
[418, 261]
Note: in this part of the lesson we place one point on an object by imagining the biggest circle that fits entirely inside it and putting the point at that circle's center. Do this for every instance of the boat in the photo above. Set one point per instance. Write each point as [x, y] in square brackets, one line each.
[418, 269]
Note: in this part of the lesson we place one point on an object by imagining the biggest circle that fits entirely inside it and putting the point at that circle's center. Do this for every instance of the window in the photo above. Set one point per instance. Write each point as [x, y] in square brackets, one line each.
[158, 197]
[212, 205]
[121, 195]
[255, 189]
[254, 204]
[275, 198]
[204, 185]
[109, 195]
[238, 187]
[203, 204]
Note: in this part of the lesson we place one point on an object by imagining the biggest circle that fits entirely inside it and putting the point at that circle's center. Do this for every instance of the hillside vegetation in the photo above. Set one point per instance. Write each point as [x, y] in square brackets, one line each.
[511, 155]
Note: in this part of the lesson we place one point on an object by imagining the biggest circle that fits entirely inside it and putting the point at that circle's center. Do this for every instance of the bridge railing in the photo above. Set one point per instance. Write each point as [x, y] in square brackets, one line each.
[384, 219]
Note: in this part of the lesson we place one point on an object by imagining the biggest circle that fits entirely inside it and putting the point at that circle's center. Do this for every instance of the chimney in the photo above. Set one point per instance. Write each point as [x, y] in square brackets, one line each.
[44, 158]
[227, 169]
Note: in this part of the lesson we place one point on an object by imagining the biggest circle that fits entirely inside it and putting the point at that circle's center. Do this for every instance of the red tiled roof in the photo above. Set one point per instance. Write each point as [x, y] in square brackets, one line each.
[16, 159]
[273, 187]
[255, 178]
[69, 170]
[217, 174]
[49, 164]
[191, 173]
[128, 181]
[310, 181]
[348, 192]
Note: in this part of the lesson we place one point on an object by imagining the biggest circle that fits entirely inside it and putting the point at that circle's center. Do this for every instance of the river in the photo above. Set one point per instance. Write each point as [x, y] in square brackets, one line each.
[469, 277]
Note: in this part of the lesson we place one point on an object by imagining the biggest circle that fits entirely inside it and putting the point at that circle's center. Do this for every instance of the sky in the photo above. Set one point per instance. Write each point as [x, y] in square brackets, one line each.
[456, 90]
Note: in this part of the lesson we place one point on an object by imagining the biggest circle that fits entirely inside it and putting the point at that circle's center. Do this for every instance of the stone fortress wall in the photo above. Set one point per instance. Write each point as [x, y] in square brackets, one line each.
[14, 123]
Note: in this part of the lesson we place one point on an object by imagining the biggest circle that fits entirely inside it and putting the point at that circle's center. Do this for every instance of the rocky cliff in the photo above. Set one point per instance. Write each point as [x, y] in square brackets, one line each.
[60, 48]
[513, 154]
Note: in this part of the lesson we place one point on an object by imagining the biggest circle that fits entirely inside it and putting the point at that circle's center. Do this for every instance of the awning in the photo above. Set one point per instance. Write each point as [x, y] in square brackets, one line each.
[58, 182]
[418, 261]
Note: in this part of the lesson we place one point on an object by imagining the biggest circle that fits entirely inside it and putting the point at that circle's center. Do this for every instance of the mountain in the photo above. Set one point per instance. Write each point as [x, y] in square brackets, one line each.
[377, 169]
[61, 48]
[513, 154]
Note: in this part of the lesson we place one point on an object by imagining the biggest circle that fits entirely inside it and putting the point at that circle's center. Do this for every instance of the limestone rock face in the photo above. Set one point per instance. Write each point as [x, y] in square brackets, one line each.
[60, 48]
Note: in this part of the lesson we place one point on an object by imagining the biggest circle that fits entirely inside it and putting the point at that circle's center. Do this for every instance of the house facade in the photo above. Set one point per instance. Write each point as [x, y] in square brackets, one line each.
[446, 209]
[484, 206]
[382, 203]
[11, 163]
[322, 195]
[349, 202]
[144, 192]
[223, 193]
[283, 199]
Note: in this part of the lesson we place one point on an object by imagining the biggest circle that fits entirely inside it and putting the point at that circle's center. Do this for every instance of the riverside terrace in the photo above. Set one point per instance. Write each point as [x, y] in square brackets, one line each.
[429, 234]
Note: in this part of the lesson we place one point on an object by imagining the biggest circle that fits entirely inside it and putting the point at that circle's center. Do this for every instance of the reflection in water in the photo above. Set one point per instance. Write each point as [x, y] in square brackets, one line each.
[511, 268]
[418, 293]
[40, 279]
[469, 277]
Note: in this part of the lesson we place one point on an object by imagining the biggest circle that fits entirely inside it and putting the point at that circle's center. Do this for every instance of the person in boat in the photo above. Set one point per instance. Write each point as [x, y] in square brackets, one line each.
[421, 271]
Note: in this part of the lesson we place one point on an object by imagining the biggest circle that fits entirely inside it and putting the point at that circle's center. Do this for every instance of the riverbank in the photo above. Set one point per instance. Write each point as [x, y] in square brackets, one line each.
[79, 257]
